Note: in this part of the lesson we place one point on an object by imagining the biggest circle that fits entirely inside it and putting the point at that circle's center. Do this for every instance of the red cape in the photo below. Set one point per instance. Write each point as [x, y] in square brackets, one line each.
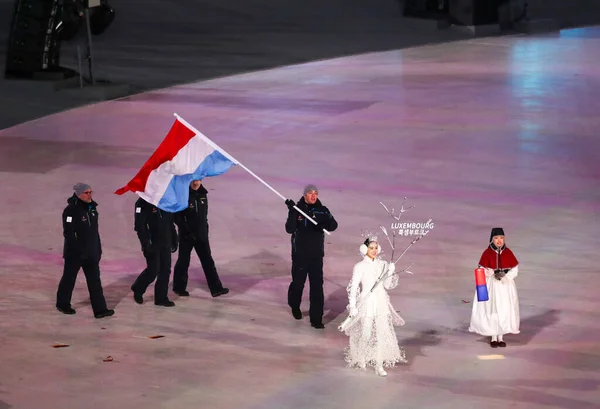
[506, 259]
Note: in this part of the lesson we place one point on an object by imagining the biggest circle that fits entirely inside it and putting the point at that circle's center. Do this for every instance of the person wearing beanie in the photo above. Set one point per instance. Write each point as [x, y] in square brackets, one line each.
[308, 250]
[500, 314]
[82, 250]
[192, 223]
[372, 337]
[156, 231]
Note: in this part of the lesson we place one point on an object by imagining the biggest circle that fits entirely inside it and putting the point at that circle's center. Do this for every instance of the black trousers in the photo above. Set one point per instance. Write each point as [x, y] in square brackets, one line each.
[180, 272]
[158, 266]
[91, 269]
[313, 269]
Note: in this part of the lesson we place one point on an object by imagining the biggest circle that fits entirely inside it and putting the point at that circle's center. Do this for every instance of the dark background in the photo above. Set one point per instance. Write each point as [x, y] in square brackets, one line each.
[158, 43]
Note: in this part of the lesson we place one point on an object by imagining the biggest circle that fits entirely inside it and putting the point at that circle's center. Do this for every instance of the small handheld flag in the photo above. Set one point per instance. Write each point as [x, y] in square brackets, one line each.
[481, 285]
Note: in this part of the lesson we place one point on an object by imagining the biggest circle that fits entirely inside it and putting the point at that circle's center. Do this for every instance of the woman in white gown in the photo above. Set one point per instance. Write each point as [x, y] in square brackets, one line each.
[371, 327]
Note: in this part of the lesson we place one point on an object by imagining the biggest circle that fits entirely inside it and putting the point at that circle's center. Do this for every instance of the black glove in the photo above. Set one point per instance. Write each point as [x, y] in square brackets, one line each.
[322, 218]
[290, 204]
[174, 247]
[320, 226]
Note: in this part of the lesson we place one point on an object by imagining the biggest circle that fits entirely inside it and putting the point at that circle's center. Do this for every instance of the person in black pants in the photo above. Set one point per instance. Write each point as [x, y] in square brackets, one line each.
[82, 249]
[308, 250]
[158, 237]
[192, 224]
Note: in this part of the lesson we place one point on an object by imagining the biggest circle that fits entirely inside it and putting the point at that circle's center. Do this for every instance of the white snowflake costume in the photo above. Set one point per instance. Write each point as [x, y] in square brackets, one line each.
[371, 330]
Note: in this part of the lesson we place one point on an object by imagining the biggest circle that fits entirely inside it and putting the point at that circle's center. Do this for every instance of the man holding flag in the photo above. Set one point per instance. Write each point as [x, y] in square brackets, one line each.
[308, 250]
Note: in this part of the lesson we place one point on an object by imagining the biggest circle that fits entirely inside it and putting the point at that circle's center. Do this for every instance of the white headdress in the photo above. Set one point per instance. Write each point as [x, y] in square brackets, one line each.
[369, 238]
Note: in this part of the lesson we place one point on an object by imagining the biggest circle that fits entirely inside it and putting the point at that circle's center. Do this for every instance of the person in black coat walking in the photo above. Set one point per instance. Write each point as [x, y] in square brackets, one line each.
[308, 250]
[82, 249]
[192, 224]
[158, 238]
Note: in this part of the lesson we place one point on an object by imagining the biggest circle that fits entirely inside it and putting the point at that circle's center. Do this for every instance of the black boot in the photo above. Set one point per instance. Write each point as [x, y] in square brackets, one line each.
[66, 309]
[105, 313]
[137, 297]
[165, 303]
[222, 291]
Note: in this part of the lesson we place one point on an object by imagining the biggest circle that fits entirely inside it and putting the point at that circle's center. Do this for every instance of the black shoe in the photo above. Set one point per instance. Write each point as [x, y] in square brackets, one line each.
[222, 291]
[66, 310]
[105, 313]
[297, 313]
[137, 297]
[502, 344]
[318, 325]
[181, 293]
[494, 344]
[165, 303]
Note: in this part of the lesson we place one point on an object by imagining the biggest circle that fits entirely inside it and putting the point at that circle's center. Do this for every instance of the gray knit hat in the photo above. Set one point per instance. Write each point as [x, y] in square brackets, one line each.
[310, 188]
[79, 188]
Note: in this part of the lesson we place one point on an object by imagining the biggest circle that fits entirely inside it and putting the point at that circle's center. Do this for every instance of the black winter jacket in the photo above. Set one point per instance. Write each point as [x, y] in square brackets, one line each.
[193, 221]
[80, 230]
[308, 240]
[154, 227]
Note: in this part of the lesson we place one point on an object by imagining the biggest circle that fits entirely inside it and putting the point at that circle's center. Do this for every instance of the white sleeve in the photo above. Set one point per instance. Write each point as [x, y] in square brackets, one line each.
[353, 286]
[513, 272]
[488, 272]
[391, 281]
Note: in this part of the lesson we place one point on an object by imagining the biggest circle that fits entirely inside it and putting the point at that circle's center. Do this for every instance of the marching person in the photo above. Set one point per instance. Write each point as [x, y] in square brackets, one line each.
[192, 224]
[308, 250]
[82, 249]
[372, 337]
[158, 238]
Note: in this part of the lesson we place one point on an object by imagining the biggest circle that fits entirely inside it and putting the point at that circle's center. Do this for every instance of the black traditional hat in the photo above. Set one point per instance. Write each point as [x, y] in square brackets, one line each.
[496, 231]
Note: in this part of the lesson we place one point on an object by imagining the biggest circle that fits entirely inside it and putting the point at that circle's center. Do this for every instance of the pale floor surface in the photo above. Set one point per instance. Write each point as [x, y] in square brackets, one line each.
[477, 134]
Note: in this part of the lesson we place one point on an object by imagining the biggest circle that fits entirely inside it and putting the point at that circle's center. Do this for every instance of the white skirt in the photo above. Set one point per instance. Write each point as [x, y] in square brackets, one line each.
[500, 314]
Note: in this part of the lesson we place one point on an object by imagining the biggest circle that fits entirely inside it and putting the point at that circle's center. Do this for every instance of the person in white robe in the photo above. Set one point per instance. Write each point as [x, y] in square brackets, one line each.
[372, 336]
[500, 314]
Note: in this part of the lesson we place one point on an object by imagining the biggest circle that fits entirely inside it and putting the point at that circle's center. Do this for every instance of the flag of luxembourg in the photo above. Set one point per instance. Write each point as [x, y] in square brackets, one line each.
[184, 155]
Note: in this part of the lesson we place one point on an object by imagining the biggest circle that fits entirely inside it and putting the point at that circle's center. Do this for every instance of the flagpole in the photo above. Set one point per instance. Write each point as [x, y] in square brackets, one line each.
[231, 158]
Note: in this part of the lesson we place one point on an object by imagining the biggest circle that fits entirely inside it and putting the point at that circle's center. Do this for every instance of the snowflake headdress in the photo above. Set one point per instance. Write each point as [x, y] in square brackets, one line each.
[369, 238]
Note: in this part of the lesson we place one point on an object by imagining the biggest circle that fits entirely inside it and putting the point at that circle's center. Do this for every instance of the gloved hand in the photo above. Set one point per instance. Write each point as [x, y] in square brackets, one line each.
[499, 274]
[353, 311]
[290, 204]
[322, 217]
[174, 247]
[391, 268]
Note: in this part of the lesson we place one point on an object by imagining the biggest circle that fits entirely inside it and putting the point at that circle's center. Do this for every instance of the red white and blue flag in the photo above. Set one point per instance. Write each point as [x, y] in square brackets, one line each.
[184, 155]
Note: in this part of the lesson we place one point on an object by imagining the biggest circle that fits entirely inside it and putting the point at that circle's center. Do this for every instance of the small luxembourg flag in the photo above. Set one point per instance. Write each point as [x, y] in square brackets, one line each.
[184, 155]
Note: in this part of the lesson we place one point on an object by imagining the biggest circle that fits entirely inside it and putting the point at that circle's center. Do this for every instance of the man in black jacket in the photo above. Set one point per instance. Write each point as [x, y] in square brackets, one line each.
[82, 249]
[308, 250]
[193, 234]
[158, 237]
